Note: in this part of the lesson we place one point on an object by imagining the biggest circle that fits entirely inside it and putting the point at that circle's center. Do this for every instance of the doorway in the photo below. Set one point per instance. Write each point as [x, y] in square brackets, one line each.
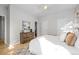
[35, 28]
[2, 30]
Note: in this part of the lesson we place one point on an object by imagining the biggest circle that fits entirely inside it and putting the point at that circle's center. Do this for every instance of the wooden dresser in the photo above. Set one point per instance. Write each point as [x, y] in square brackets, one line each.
[26, 37]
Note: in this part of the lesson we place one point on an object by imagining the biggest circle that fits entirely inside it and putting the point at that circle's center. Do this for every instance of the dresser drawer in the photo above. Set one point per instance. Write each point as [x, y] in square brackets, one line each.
[26, 37]
[27, 34]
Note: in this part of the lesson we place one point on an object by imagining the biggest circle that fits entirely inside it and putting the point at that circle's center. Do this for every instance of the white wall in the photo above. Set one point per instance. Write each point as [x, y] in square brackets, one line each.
[3, 12]
[64, 18]
[16, 17]
[8, 26]
[48, 25]
[51, 23]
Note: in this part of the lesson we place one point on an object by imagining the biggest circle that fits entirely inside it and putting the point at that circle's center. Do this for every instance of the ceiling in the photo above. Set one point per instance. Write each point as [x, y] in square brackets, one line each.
[38, 10]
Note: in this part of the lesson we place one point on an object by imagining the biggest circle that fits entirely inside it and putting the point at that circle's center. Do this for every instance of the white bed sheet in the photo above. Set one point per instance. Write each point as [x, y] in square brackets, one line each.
[72, 49]
[53, 46]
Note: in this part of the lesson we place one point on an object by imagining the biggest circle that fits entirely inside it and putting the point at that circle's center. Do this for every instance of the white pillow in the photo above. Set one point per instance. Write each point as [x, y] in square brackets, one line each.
[63, 36]
[77, 41]
[76, 33]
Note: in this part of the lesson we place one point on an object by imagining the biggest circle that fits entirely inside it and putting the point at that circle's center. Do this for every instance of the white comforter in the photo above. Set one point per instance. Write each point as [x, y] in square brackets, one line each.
[43, 45]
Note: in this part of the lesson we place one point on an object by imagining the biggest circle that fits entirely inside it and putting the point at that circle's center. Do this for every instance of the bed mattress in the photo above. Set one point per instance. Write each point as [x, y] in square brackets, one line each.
[56, 40]
[35, 48]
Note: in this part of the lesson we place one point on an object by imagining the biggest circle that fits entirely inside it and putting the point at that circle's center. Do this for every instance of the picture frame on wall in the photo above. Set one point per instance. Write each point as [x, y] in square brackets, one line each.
[25, 26]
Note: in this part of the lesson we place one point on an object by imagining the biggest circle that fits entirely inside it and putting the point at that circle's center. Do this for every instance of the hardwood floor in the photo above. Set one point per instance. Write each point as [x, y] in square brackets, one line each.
[11, 51]
[2, 44]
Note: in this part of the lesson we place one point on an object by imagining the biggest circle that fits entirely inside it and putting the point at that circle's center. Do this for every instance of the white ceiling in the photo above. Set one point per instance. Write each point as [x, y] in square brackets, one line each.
[37, 9]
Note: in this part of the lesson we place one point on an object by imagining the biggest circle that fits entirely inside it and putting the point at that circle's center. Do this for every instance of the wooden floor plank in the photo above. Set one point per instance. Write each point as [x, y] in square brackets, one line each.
[6, 51]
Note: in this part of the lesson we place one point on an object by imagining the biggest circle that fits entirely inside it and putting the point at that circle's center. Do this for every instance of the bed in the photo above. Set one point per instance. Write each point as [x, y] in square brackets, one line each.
[48, 44]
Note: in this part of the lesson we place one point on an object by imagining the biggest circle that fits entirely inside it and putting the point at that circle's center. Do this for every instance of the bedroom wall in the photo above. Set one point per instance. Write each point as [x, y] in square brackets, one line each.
[4, 12]
[64, 18]
[48, 25]
[52, 23]
[16, 17]
[38, 27]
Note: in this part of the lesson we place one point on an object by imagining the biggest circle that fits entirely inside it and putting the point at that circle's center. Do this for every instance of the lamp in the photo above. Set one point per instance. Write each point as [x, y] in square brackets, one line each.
[45, 7]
